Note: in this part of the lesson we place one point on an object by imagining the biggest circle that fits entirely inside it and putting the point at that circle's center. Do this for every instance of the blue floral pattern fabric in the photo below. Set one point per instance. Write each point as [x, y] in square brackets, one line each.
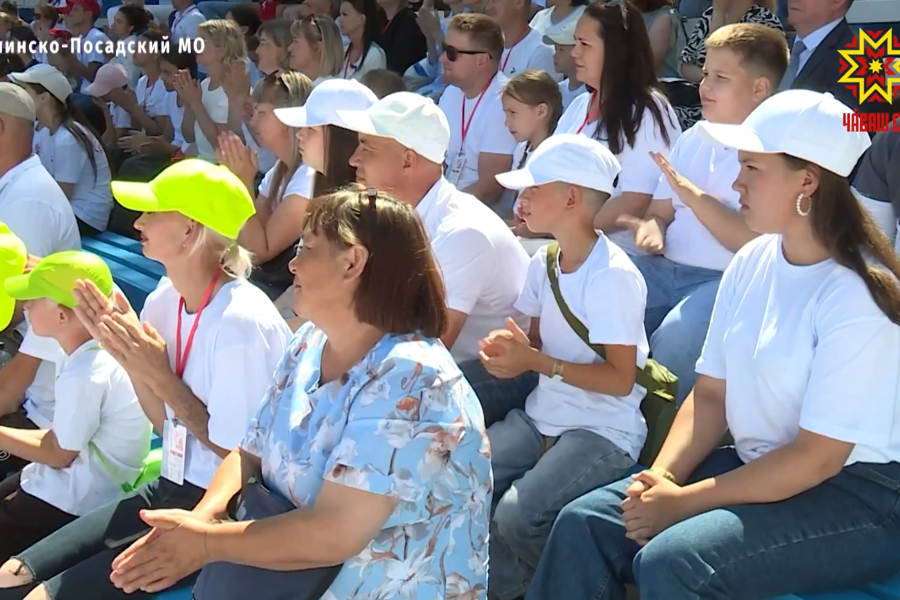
[405, 423]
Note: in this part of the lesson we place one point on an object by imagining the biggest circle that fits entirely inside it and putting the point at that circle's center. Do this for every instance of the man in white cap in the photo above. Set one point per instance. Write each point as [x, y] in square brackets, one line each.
[582, 426]
[403, 141]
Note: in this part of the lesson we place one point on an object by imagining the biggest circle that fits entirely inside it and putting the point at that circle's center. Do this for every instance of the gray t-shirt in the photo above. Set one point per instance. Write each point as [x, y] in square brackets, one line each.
[876, 178]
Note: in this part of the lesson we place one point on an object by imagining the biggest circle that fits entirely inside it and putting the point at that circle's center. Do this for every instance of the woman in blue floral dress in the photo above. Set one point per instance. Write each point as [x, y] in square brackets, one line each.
[369, 429]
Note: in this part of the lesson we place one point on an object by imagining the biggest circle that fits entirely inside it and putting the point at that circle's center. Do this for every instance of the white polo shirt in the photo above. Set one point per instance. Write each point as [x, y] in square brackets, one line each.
[531, 53]
[185, 24]
[482, 262]
[803, 346]
[39, 397]
[714, 170]
[95, 403]
[485, 130]
[238, 343]
[608, 295]
[68, 162]
[639, 172]
[36, 209]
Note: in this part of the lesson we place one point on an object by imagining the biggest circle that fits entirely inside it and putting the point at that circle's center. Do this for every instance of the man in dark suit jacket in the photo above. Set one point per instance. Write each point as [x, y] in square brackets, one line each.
[822, 26]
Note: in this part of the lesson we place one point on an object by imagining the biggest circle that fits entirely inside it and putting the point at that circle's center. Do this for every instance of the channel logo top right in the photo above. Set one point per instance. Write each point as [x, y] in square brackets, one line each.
[870, 66]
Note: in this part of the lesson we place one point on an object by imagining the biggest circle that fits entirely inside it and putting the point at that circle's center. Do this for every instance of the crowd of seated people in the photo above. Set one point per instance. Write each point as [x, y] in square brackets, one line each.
[507, 301]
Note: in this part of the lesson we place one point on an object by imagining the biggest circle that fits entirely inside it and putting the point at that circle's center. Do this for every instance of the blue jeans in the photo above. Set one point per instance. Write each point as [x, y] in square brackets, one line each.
[498, 396]
[533, 481]
[839, 534]
[679, 306]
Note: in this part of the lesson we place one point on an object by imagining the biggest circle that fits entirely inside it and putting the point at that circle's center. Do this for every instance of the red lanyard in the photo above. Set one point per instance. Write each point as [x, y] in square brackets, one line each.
[466, 123]
[388, 24]
[181, 361]
[511, 48]
[178, 18]
[347, 64]
[590, 109]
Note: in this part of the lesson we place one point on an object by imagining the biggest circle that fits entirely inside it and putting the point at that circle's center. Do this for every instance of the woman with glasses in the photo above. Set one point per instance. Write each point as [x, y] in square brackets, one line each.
[317, 50]
[624, 109]
[370, 435]
[282, 196]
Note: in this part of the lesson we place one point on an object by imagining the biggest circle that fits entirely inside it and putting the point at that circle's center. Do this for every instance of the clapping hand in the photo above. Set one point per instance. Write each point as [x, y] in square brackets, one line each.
[187, 88]
[239, 159]
[506, 353]
[648, 235]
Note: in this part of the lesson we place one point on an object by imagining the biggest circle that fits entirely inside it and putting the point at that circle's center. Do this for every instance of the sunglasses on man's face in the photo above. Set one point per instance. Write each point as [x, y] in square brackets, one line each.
[454, 53]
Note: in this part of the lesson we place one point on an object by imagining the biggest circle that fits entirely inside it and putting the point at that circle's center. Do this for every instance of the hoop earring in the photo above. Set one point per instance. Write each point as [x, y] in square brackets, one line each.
[800, 210]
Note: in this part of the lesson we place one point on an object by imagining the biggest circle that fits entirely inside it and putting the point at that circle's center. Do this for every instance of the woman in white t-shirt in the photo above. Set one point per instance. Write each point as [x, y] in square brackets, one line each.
[68, 148]
[204, 349]
[283, 195]
[208, 110]
[317, 50]
[360, 22]
[129, 21]
[624, 111]
[801, 366]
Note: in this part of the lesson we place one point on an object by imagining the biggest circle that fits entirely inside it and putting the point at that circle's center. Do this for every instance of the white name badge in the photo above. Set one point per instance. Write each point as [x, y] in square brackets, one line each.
[174, 449]
[456, 168]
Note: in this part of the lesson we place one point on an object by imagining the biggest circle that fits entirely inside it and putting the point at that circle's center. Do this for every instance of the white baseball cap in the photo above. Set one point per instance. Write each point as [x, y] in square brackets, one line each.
[322, 106]
[800, 123]
[562, 33]
[48, 77]
[566, 158]
[412, 120]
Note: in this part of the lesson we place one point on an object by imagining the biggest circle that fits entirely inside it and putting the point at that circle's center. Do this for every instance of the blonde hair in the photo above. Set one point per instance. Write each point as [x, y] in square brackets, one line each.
[535, 88]
[284, 89]
[324, 32]
[226, 36]
[234, 258]
[280, 32]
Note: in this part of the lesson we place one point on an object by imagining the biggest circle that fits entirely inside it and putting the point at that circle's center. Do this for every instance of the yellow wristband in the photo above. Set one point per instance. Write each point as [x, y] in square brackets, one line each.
[664, 474]
[556, 370]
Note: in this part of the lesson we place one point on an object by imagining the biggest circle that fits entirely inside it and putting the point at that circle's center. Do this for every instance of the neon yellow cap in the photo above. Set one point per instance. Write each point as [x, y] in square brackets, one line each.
[54, 277]
[209, 194]
[13, 257]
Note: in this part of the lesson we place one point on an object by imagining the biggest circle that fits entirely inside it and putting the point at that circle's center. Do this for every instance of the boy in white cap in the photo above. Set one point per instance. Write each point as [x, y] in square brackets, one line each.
[582, 426]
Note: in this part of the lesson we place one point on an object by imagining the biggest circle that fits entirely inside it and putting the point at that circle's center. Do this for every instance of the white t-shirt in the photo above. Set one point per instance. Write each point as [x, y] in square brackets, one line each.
[95, 402]
[94, 40]
[373, 60]
[39, 397]
[608, 294]
[238, 342]
[485, 130]
[543, 20]
[639, 172]
[714, 171]
[35, 208]
[803, 346]
[568, 95]
[152, 98]
[127, 61]
[301, 184]
[482, 262]
[531, 53]
[216, 104]
[185, 24]
[176, 115]
[121, 118]
[66, 160]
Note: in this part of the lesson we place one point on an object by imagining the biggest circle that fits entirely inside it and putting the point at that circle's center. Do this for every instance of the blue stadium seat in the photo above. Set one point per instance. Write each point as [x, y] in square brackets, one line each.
[135, 274]
[180, 594]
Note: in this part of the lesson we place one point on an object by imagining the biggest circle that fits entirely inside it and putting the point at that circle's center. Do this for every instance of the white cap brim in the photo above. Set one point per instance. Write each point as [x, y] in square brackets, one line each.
[517, 180]
[358, 121]
[559, 39]
[295, 116]
[738, 137]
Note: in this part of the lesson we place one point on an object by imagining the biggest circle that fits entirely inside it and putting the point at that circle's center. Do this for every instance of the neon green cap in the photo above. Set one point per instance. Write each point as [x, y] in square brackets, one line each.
[13, 257]
[207, 193]
[54, 277]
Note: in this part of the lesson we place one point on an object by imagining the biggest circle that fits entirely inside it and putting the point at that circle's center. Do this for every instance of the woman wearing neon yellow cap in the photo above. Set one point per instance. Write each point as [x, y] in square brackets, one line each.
[200, 358]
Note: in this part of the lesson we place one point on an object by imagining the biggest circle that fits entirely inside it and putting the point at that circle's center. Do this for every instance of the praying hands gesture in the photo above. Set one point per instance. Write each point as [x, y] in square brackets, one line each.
[652, 505]
[239, 159]
[137, 347]
[174, 548]
[507, 353]
[187, 88]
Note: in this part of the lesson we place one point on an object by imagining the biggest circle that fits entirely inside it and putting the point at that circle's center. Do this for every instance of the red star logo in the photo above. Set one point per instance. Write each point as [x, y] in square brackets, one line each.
[870, 66]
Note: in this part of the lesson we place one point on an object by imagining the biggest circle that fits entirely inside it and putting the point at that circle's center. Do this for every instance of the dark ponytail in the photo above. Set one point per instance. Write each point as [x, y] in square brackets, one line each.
[845, 228]
[74, 119]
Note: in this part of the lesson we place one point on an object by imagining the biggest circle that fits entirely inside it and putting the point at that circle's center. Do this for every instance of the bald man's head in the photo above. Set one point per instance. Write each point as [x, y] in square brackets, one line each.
[17, 114]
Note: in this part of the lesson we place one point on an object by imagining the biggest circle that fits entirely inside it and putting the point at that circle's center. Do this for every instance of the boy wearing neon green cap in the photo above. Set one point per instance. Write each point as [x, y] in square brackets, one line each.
[100, 435]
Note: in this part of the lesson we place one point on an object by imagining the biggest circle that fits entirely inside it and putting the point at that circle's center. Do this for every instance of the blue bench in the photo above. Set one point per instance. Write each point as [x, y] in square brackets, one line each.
[135, 274]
